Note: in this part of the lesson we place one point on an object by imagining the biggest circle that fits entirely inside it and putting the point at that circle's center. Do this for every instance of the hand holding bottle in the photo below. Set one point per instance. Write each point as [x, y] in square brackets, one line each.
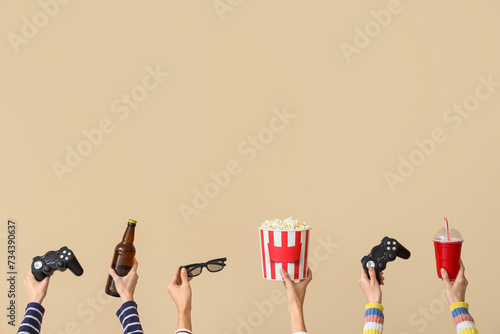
[125, 286]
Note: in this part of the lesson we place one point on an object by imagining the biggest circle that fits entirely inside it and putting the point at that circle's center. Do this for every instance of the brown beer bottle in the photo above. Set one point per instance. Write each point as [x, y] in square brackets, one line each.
[123, 257]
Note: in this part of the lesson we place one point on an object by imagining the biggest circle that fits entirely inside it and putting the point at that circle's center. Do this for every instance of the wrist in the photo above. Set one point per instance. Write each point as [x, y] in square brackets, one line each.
[456, 300]
[36, 299]
[375, 300]
[127, 298]
[184, 312]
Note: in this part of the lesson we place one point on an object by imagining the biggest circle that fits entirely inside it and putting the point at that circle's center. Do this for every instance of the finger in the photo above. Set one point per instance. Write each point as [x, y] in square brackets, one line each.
[373, 276]
[176, 276]
[184, 276]
[461, 271]
[309, 275]
[45, 281]
[363, 274]
[30, 277]
[446, 278]
[285, 276]
[112, 273]
[134, 265]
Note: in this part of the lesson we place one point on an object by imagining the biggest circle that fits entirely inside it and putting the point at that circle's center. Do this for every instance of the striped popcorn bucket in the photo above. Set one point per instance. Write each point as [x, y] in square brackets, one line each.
[287, 249]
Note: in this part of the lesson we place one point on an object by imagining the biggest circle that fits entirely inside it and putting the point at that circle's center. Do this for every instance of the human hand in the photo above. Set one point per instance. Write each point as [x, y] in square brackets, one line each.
[295, 292]
[180, 292]
[370, 286]
[125, 286]
[36, 290]
[455, 290]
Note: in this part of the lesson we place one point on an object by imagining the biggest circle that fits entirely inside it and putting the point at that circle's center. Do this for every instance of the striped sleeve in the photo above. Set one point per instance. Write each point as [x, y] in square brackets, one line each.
[129, 317]
[462, 319]
[32, 321]
[374, 319]
[183, 331]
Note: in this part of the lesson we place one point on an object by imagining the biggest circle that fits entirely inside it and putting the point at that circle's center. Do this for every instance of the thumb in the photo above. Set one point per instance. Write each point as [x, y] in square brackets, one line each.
[446, 278]
[184, 276]
[373, 275]
[285, 276]
[112, 273]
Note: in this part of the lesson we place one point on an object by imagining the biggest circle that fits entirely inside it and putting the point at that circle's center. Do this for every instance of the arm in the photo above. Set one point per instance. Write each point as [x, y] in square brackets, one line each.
[374, 312]
[180, 292]
[125, 286]
[32, 321]
[296, 293]
[455, 292]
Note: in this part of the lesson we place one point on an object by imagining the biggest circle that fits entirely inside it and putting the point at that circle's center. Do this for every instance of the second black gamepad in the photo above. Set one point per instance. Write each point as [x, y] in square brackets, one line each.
[64, 258]
[387, 251]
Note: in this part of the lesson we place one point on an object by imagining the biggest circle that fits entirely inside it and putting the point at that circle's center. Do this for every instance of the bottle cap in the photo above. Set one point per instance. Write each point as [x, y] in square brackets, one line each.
[132, 221]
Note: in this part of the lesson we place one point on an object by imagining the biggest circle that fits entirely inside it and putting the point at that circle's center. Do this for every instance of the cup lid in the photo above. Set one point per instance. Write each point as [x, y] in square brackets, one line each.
[442, 236]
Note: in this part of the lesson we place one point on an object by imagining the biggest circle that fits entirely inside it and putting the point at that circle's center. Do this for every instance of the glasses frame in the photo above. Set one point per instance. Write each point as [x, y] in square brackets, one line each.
[192, 266]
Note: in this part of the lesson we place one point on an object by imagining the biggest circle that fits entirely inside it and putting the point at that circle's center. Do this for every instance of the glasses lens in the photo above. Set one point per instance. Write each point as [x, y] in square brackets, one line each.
[194, 271]
[215, 266]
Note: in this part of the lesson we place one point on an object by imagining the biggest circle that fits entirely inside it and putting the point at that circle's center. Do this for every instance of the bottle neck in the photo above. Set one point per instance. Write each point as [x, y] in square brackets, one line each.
[128, 236]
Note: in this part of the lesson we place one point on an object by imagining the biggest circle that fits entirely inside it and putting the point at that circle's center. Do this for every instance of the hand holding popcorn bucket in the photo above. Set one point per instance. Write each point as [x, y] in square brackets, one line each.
[284, 244]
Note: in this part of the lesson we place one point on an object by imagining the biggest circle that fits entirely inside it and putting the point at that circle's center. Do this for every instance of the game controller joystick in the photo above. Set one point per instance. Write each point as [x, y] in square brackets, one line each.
[64, 258]
[387, 251]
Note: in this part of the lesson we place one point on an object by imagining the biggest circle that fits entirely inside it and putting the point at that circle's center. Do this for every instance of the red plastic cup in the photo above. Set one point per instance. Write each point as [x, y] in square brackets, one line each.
[448, 251]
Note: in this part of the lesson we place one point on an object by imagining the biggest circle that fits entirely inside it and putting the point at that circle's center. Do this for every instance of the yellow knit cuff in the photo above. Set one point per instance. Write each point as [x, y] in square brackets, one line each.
[374, 305]
[459, 304]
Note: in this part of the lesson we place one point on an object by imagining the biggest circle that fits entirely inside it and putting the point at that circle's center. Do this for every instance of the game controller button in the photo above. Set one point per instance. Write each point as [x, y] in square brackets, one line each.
[69, 253]
[394, 242]
[64, 252]
[388, 248]
[66, 258]
[391, 256]
[37, 265]
[388, 242]
[393, 248]
[47, 269]
[381, 266]
[61, 256]
[60, 263]
[370, 264]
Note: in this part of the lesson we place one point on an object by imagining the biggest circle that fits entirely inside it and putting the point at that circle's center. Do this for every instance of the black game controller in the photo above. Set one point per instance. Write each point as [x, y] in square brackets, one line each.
[387, 251]
[64, 258]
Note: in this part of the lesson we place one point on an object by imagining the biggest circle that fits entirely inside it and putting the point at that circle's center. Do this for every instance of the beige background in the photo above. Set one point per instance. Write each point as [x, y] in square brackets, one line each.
[226, 76]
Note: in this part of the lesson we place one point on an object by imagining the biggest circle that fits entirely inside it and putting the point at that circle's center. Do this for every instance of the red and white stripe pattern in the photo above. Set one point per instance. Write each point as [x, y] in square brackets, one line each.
[287, 249]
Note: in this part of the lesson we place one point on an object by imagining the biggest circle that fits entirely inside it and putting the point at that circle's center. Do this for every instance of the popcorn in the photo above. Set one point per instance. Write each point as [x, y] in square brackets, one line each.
[284, 225]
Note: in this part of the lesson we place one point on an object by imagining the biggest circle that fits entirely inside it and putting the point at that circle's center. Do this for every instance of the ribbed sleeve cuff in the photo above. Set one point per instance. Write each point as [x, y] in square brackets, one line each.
[125, 306]
[459, 304]
[39, 307]
[374, 305]
[374, 319]
[462, 319]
